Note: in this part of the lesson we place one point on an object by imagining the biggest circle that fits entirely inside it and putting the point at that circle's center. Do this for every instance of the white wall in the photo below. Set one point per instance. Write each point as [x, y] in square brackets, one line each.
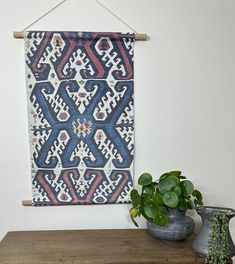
[184, 101]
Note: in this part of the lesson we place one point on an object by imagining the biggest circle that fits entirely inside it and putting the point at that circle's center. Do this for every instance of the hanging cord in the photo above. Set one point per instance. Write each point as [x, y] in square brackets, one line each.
[60, 3]
[42, 16]
[117, 17]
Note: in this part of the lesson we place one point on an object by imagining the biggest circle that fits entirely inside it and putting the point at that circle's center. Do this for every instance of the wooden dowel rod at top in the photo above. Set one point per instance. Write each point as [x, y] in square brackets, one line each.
[138, 36]
[18, 34]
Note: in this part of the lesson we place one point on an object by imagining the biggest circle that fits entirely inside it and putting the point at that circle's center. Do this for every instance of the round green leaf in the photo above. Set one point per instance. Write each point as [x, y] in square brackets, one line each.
[182, 177]
[145, 179]
[142, 212]
[182, 204]
[135, 197]
[187, 187]
[197, 194]
[165, 185]
[177, 190]
[164, 175]
[147, 198]
[134, 212]
[171, 199]
[175, 173]
[157, 199]
[198, 202]
[149, 189]
[175, 179]
[160, 219]
[150, 210]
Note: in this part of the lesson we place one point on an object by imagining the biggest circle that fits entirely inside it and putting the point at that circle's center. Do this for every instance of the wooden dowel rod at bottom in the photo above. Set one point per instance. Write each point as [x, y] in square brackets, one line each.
[138, 36]
[141, 36]
[27, 202]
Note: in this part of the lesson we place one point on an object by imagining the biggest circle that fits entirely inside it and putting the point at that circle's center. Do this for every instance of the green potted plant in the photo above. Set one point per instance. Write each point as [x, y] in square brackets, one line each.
[214, 240]
[164, 203]
[218, 241]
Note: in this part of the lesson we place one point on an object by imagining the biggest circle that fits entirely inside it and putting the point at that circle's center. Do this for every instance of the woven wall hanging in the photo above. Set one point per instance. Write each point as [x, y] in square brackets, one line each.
[81, 118]
[81, 114]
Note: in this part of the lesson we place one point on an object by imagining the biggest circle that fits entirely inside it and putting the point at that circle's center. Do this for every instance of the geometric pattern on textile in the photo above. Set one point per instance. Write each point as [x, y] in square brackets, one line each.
[81, 116]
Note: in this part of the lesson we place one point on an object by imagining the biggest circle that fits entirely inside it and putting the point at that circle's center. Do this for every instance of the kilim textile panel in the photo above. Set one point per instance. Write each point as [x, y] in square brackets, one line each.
[81, 116]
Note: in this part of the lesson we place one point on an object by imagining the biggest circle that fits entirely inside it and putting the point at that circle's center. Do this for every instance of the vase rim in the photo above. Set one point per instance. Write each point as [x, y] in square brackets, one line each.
[209, 209]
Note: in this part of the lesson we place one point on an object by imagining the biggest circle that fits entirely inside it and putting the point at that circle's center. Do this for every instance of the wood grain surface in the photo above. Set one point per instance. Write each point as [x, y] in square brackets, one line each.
[132, 246]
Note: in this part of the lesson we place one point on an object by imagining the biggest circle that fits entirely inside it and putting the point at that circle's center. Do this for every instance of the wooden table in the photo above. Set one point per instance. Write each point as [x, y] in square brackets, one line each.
[132, 246]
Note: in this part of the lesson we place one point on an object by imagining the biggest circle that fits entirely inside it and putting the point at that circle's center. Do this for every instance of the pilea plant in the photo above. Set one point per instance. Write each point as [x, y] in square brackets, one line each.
[218, 241]
[171, 190]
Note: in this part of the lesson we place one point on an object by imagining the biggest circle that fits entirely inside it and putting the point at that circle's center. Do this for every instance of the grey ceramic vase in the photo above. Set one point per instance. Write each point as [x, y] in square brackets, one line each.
[179, 227]
[201, 243]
